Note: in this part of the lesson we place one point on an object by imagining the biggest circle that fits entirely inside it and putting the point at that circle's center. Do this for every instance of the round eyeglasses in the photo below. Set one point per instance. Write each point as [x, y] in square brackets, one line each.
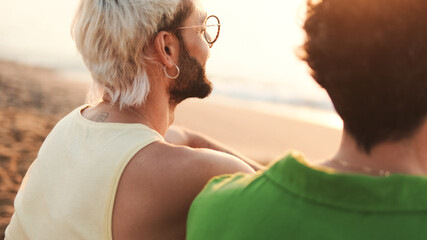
[211, 28]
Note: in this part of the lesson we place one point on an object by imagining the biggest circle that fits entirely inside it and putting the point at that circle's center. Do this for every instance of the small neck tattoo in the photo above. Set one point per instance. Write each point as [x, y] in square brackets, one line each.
[144, 120]
[102, 117]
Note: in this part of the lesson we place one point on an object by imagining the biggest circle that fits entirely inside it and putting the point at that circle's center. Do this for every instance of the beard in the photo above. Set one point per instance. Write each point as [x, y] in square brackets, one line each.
[191, 82]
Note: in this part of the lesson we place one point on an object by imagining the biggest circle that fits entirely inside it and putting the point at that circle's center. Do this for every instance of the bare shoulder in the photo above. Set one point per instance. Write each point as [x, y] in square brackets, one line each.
[159, 184]
[215, 163]
[166, 172]
[178, 164]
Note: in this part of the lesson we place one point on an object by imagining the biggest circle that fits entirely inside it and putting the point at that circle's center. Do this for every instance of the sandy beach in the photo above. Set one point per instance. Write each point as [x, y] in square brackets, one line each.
[33, 99]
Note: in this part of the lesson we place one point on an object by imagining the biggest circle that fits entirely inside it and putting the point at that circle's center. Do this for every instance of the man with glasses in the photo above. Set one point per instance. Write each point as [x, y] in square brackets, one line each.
[105, 170]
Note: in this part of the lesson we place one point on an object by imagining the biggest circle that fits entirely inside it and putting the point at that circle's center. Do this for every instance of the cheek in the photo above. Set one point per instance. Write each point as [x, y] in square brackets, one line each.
[200, 50]
[205, 53]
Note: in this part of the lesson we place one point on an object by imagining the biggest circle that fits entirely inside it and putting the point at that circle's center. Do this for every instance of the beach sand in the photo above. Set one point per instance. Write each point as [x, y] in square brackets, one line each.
[33, 99]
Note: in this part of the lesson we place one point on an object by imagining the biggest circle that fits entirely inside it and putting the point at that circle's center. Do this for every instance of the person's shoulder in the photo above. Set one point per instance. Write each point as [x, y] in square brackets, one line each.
[161, 181]
[162, 167]
[175, 159]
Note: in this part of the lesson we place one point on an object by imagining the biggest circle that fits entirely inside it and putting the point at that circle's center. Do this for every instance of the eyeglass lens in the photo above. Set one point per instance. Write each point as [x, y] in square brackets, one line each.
[212, 29]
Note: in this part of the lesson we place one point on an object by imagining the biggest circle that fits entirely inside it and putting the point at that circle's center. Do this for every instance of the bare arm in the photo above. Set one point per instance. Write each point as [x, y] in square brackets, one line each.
[158, 186]
[181, 136]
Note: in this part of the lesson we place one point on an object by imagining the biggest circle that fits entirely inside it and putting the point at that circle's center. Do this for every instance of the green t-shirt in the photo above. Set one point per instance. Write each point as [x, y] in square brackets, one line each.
[293, 201]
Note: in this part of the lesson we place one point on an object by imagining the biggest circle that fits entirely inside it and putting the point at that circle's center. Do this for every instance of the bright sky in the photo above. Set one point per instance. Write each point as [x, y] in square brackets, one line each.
[258, 37]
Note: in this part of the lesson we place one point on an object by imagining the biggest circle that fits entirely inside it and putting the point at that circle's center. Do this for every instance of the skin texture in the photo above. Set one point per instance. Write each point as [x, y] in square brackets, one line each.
[406, 156]
[162, 179]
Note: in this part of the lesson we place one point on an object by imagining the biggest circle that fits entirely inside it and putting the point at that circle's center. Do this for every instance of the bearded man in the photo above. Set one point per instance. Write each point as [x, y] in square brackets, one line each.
[105, 170]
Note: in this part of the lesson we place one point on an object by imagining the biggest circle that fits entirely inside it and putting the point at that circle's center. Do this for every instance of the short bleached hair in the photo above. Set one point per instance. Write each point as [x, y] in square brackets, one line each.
[112, 36]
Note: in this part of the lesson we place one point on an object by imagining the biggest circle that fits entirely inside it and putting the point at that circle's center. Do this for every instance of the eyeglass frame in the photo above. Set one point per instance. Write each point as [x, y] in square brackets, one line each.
[205, 26]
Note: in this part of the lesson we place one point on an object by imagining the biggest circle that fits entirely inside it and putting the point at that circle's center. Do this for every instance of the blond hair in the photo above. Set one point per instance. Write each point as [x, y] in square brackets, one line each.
[112, 36]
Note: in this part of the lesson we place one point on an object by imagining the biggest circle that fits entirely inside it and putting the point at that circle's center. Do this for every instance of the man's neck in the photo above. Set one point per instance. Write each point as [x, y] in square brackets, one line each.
[408, 156]
[158, 112]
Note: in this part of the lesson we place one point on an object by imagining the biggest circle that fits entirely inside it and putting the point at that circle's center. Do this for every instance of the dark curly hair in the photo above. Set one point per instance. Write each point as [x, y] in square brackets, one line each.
[371, 57]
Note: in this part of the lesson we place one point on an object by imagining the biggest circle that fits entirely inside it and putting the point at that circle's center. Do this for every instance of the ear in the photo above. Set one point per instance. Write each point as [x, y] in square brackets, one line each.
[167, 48]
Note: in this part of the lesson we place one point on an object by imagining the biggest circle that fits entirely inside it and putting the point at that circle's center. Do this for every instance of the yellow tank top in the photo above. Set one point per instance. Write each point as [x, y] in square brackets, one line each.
[69, 190]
